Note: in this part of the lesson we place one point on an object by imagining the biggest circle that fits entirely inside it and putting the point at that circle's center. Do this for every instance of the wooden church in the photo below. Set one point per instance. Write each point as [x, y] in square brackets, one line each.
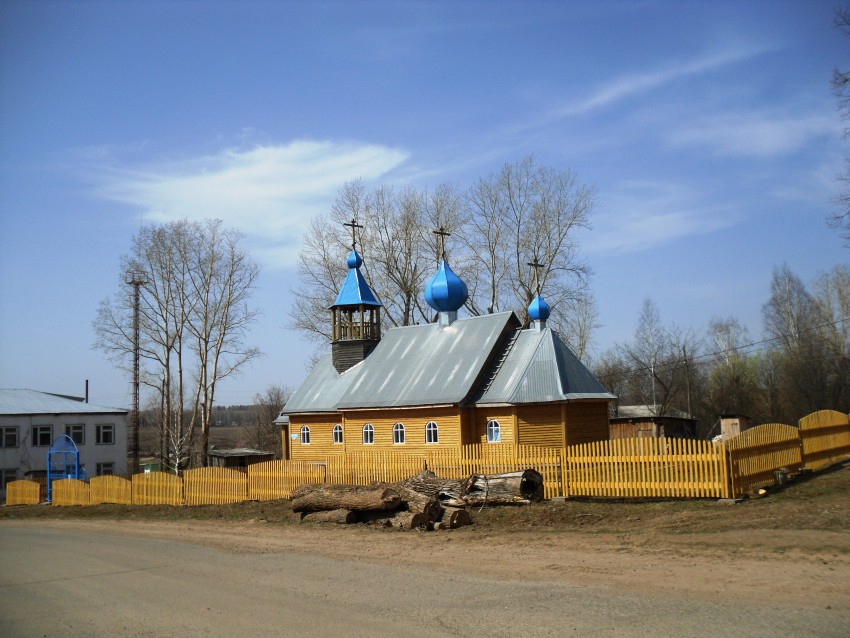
[453, 382]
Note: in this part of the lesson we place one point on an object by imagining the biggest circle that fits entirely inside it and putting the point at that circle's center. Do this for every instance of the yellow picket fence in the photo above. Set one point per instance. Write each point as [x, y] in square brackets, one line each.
[214, 486]
[622, 468]
[110, 489]
[157, 488]
[825, 437]
[647, 468]
[70, 492]
[272, 480]
[22, 493]
[755, 456]
[381, 466]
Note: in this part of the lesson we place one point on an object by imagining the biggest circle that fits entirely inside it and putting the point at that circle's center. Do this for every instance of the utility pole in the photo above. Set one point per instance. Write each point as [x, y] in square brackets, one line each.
[136, 280]
[687, 378]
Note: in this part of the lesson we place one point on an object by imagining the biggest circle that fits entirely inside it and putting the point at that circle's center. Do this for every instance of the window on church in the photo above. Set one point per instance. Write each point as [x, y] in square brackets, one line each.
[337, 434]
[398, 433]
[432, 435]
[494, 432]
[305, 435]
[368, 434]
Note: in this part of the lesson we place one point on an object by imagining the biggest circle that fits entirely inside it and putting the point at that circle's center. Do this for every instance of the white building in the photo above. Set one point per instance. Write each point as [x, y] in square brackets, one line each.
[30, 421]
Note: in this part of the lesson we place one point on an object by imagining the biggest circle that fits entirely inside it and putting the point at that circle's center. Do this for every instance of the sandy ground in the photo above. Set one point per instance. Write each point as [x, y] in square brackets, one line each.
[205, 578]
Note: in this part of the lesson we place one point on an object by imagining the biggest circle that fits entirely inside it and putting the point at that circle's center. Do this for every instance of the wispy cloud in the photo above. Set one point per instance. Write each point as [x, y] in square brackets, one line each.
[627, 86]
[643, 215]
[268, 192]
[755, 134]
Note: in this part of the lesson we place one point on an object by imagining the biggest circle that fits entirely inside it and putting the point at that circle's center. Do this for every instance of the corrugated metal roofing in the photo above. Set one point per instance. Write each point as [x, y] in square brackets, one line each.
[426, 364]
[542, 368]
[430, 365]
[14, 401]
[322, 389]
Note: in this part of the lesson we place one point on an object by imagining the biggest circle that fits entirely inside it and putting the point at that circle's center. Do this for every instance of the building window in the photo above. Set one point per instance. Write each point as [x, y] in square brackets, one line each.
[494, 432]
[9, 436]
[7, 476]
[77, 433]
[398, 433]
[42, 435]
[305, 435]
[105, 469]
[431, 433]
[338, 434]
[105, 434]
[368, 434]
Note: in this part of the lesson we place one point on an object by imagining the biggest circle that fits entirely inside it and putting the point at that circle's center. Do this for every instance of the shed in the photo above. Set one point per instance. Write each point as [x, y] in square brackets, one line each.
[640, 421]
[238, 457]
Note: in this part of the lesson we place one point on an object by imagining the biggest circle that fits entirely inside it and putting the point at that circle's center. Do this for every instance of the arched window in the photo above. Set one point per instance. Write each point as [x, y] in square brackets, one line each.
[398, 433]
[368, 434]
[431, 433]
[305, 435]
[494, 431]
[337, 434]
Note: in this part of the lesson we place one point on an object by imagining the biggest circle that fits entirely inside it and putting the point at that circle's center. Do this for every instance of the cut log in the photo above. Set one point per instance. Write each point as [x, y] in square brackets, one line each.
[456, 517]
[523, 486]
[358, 498]
[342, 517]
[427, 484]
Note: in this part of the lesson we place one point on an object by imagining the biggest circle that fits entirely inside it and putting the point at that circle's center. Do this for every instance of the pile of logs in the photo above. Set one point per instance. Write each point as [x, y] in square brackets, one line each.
[421, 502]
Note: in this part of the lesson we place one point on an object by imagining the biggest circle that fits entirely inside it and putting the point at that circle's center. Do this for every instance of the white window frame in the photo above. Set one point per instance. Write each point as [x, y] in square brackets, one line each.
[368, 434]
[101, 467]
[81, 428]
[398, 433]
[100, 434]
[432, 433]
[494, 431]
[38, 434]
[6, 431]
[338, 434]
[305, 435]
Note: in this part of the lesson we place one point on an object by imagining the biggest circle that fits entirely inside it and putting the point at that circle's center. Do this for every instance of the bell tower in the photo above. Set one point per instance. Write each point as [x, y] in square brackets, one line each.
[355, 315]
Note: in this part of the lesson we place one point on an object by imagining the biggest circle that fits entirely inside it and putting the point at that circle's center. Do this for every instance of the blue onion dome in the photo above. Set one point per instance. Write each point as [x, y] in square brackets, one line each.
[539, 309]
[446, 292]
[354, 259]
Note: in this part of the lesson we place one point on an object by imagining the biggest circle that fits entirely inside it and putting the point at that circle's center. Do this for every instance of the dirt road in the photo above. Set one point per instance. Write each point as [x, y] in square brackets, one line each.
[200, 578]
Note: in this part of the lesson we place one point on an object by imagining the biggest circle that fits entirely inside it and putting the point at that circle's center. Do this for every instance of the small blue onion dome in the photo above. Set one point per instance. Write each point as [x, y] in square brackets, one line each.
[446, 292]
[354, 259]
[539, 309]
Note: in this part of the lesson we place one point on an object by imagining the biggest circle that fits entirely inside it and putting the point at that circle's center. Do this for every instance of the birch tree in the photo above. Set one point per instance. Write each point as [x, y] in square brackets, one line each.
[194, 317]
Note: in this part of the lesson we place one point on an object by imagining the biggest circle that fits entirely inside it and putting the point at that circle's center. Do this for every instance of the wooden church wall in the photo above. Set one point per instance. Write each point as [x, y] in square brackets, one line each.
[587, 421]
[540, 424]
[321, 437]
[448, 422]
[505, 415]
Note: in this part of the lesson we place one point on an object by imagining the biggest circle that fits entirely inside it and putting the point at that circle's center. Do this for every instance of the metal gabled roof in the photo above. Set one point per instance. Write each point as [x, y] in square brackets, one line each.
[426, 364]
[541, 368]
[21, 401]
[322, 389]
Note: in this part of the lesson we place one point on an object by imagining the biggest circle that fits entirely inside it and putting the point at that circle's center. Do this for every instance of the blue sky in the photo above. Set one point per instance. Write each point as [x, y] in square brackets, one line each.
[708, 129]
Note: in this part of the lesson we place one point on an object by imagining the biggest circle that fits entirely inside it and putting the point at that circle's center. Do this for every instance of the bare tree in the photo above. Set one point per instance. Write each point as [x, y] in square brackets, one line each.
[789, 310]
[523, 213]
[660, 358]
[265, 435]
[194, 315]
